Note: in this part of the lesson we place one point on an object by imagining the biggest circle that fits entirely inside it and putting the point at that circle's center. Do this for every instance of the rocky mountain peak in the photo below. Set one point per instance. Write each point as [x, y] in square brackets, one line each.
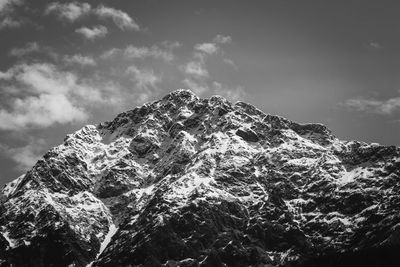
[186, 181]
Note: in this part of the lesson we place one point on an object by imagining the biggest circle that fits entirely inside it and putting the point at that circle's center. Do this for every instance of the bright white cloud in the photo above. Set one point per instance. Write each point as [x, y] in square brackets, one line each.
[43, 95]
[40, 111]
[384, 107]
[45, 98]
[208, 48]
[68, 11]
[120, 18]
[79, 60]
[93, 33]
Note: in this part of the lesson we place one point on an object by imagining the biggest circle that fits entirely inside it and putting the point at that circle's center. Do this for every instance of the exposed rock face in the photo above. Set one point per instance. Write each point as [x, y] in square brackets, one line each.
[203, 182]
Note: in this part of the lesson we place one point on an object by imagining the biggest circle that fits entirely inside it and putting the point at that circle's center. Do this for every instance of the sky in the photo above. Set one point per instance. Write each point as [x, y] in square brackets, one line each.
[70, 63]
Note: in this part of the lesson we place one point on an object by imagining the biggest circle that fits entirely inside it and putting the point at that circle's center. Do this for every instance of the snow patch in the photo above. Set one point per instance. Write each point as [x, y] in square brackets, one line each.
[10, 188]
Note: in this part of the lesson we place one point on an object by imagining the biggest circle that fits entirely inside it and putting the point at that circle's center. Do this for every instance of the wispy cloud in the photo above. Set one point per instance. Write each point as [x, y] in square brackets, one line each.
[208, 48]
[6, 4]
[145, 80]
[143, 77]
[196, 68]
[120, 18]
[68, 11]
[73, 11]
[198, 77]
[27, 49]
[374, 45]
[213, 47]
[34, 48]
[25, 156]
[371, 105]
[222, 39]
[165, 51]
[96, 32]
[8, 18]
[198, 87]
[233, 94]
[79, 60]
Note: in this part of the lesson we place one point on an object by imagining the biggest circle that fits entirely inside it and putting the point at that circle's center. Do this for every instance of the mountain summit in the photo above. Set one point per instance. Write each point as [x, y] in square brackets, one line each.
[186, 181]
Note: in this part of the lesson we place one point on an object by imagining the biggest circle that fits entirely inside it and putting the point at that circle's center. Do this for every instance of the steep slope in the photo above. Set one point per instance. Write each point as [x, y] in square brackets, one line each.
[185, 181]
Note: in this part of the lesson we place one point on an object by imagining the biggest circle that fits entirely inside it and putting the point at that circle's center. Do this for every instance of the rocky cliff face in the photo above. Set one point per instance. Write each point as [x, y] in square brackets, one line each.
[185, 181]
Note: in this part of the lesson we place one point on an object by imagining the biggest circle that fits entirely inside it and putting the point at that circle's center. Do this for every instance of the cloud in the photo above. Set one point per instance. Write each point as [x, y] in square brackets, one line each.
[75, 10]
[213, 47]
[230, 62]
[27, 49]
[196, 68]
[8, 18]
[25, 156]
[10, 22]
[198, 77]
[200, 87]
[221, 39]
[165, 52]
[144, 78]
[375, 45]
[45, 98]
[5, 4]
[153, 51]
[40, 111]
[146, 82]
[68, 11]
[40, 95]
[383, 107]
[6, 75]
[93, 33]
[33, 48]
[197, 87]
[120, 18]
[79, 60]
[233, 94]
[208, 48]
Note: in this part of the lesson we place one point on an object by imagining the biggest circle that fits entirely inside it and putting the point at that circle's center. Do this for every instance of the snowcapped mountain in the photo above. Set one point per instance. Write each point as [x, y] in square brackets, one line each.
[185, 181]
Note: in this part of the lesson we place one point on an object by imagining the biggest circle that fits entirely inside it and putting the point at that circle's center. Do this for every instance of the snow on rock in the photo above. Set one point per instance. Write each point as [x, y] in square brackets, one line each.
[185, 181]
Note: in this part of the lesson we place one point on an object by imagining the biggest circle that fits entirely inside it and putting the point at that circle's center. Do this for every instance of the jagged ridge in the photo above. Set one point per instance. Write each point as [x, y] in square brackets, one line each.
[185, 181]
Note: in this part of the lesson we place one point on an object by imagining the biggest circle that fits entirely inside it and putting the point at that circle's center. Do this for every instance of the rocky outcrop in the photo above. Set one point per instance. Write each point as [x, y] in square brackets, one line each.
[185, 181]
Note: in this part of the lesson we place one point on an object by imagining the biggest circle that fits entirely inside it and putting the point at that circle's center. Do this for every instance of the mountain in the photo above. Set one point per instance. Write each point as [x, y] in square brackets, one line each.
[185, 181]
